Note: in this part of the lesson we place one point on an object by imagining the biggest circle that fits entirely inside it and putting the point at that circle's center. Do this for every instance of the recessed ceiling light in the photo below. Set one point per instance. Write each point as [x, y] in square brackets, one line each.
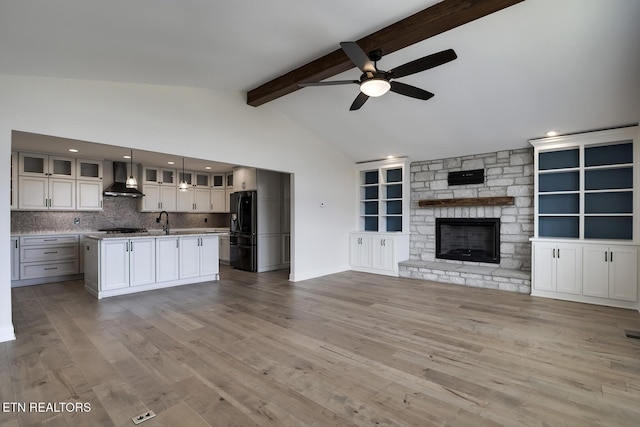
[171, 163]
[126, 157]
[207, 167]
[73, 150]
[552, 133]
[390, 156]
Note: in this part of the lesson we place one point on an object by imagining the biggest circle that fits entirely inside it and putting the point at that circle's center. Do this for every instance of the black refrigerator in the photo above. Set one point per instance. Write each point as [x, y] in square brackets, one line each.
[243, 231]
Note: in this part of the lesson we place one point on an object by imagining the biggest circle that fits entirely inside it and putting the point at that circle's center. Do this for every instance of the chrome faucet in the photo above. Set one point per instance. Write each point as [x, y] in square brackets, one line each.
[165, 227]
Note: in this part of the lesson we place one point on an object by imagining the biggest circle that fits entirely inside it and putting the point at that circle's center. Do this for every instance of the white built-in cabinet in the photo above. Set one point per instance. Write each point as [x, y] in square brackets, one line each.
[14, 180]
[167, 259]
[206, 193]
[610, 272]
[15, 258]
[558, 267]
[48, 182]
[198, 256]
[382, 238]
[127, 263]
[586, 222]
[245, 179]
[378, 252]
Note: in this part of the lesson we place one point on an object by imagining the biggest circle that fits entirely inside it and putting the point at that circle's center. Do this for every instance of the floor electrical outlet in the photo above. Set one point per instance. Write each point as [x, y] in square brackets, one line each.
[633, 334]
[143, 417]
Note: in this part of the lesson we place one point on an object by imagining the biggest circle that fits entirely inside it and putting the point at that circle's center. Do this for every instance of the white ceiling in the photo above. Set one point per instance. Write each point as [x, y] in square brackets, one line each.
[570, 65]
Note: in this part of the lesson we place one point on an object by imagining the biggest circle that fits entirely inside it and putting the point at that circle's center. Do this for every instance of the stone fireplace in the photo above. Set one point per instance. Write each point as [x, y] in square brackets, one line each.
[507, 173]
[468, 239]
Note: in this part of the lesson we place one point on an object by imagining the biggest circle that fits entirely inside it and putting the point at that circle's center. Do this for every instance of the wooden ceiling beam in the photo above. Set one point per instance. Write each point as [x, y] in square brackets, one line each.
[420, 26]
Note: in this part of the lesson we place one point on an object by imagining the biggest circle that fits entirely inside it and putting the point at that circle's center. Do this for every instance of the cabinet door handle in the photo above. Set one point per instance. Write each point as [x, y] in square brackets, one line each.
[51, 268]
[554, 253]
[605, 256]
[51, 252]
[558, 253]
[177, 243]
[126, 246]
[130, 246]
[50, 240]
[611, 256]
[16, 244]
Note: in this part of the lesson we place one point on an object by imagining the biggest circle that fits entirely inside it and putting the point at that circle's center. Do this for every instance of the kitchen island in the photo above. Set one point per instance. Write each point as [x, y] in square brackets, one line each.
[118, 264]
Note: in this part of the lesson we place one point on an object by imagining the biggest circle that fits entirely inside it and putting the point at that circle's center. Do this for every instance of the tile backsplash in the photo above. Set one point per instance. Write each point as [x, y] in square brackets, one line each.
[117, 212]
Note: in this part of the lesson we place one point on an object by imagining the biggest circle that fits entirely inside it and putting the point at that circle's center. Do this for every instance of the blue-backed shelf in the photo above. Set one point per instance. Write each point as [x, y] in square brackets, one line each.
[560, 159]
[559, 203]
[620, 202]
[559, 226]
[608, 179]
[608, 227]
[559, 181]
[610, 154]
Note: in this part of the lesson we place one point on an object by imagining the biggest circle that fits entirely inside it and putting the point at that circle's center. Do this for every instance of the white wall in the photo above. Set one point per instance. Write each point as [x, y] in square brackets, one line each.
[194, 123]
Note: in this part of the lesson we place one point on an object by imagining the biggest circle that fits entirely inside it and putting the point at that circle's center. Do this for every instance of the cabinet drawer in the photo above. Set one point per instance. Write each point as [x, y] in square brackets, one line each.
[48, 240]
[48, 253]
[37, 270]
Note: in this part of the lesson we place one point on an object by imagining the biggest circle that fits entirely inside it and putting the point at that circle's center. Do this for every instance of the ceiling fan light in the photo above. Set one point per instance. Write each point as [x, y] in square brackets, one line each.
[375, 87]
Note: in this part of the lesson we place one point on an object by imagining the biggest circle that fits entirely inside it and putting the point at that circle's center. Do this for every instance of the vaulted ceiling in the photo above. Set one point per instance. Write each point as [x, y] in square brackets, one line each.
[570, 65]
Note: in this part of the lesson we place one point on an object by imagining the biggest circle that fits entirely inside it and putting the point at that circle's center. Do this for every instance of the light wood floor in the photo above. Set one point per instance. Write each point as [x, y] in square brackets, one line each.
[347, 349]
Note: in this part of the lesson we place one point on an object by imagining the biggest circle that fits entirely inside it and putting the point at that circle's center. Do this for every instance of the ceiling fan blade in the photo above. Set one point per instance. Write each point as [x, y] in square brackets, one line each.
[359, 101]
[330, 83]
[358, 57]
[423, 63]
[412, 91]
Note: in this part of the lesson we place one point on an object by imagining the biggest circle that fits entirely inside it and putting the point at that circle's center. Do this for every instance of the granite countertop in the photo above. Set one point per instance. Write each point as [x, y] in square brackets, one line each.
[154, 233]
[102, 234]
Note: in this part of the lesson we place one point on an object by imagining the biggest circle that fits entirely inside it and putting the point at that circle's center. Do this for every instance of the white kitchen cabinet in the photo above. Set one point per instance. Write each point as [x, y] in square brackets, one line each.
[89, 170]
[43, 165]
[245, 179]
[167, 259]
[195, 199]
[557, 267]
[36, 193]
[142, 261]
[158, 198]
[88, 195]
[46, 258]
[611, 272]
[158, 176]
[378, 253]
[218, 203]
[15, 259]
[198, 256]
[202, 179]
[218, 181]
[14, 180]
[127, 263]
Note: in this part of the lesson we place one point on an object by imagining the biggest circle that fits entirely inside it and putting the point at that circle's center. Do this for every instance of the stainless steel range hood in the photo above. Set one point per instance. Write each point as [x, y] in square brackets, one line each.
[119, 188]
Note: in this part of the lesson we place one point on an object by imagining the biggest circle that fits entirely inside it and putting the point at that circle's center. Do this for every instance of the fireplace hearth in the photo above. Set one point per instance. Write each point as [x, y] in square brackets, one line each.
[468, 239]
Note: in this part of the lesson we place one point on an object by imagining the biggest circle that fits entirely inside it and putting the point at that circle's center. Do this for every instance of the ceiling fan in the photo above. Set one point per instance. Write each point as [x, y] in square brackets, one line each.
[374, 82]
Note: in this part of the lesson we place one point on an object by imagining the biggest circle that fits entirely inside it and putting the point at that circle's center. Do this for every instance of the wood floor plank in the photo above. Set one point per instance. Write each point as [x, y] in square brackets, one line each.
[349, 349]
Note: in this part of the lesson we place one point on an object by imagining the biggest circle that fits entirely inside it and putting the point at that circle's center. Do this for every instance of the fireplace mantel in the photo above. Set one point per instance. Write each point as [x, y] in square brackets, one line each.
[470, 201]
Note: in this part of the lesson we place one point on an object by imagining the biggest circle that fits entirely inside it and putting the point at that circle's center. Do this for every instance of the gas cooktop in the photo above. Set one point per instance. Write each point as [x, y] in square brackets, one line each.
[118, 230]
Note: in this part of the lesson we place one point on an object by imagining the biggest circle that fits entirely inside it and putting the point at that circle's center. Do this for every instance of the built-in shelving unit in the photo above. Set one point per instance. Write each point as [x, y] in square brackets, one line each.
[585, 246]
[382, 237]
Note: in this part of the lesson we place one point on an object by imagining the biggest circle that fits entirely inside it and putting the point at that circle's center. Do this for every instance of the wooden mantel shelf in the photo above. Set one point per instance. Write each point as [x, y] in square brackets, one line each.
[471, 201]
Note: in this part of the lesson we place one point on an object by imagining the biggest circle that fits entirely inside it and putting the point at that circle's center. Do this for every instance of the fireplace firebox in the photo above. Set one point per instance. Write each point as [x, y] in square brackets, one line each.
[468, 239]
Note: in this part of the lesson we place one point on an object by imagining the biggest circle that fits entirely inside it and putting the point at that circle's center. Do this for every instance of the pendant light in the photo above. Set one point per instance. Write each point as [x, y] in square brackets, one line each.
[183, 186]
[131, 181]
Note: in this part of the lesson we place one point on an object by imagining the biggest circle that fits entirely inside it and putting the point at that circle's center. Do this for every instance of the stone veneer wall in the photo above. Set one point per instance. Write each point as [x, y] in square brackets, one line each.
[507, 173]
[117, 212]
